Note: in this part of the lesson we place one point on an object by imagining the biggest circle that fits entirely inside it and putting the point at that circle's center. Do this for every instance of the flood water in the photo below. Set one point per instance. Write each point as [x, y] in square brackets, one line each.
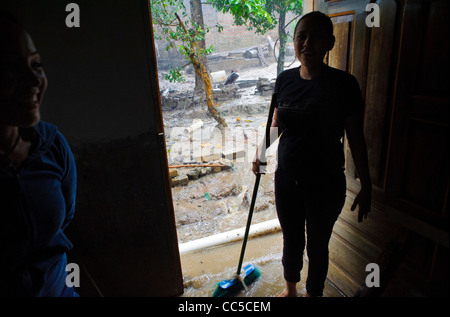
[202, 270]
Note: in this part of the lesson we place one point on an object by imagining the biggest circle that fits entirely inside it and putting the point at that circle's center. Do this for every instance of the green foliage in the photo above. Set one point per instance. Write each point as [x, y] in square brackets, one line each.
[175, 75]
[258, 15]
[262, 15]
[295, 6]
[251, 13]
[184, 35]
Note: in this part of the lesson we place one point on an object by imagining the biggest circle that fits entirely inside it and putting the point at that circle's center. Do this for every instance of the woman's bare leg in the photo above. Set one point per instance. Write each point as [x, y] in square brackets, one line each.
[290, 290]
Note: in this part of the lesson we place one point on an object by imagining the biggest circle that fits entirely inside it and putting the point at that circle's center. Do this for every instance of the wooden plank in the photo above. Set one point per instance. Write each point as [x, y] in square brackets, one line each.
[347, 259]
[353, 245]
[345, 283]
[388, 262]
[356, 240]
[346, 266]
[377, 103]
[339, 54]
[378, 227]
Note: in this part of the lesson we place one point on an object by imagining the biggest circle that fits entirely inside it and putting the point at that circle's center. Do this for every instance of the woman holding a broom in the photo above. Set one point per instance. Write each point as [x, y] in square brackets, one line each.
[315, 105]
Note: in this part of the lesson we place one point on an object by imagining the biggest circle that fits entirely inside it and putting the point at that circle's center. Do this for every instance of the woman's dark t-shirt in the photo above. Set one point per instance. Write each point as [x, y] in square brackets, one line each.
[311, 115]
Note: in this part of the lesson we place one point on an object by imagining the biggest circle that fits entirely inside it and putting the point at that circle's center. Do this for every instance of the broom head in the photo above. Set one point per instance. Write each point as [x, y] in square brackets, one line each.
[232, 286]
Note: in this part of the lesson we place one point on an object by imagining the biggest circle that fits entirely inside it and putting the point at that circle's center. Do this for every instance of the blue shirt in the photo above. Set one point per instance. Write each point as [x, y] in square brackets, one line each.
[37, 202]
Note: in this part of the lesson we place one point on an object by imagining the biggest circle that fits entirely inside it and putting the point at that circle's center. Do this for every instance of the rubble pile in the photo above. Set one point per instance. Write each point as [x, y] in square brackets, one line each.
[172, 99]
[181, 175]
[265, 87]
[227, 92]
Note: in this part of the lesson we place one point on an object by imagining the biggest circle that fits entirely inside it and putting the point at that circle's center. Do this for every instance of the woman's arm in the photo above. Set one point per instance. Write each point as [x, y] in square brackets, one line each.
[260, 152]
[69, 181]
[355, 136]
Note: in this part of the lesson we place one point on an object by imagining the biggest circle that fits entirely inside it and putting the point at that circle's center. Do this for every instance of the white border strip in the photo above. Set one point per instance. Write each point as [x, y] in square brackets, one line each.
[258, 229]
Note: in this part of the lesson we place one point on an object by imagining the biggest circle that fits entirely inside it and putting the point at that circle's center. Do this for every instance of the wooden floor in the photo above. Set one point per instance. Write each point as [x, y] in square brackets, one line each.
[354, 245]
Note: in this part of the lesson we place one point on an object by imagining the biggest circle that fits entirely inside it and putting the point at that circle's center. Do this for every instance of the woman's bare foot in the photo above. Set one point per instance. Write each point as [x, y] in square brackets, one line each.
[286, 293]
[289, 291]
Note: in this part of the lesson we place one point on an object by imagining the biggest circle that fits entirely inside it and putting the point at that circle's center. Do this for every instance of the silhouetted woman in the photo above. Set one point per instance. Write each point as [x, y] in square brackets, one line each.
[315, 105]
[37, 175]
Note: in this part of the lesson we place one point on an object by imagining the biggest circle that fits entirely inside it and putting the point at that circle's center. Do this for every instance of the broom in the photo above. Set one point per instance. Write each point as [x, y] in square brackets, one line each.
[230, 287]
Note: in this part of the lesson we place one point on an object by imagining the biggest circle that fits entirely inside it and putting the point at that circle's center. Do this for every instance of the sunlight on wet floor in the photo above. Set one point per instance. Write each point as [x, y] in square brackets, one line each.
[203, 269]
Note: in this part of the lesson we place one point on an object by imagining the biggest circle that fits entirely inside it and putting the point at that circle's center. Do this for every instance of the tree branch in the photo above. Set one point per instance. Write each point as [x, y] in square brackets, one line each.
[181, 23]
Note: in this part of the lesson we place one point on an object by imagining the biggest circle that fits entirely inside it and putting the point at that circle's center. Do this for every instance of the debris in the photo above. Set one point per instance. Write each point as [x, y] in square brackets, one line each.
[262, 60]
[218, 77]
[246, 83]
[173, 173]
[257, 52]
[205, 170]
[207, 196]
[197, 165]
[233, 154]
[210, 157]
[197, 125]
[172, 99]
[180, 180]
[226, 92]
[193, 173]
[265, 87]
[165, 93]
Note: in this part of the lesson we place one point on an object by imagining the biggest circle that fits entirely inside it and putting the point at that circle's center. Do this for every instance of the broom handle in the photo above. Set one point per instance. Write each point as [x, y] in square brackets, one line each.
[258, 178]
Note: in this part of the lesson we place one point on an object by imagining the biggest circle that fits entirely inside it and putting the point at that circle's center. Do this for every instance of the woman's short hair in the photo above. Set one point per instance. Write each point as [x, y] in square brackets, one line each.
[320, 17]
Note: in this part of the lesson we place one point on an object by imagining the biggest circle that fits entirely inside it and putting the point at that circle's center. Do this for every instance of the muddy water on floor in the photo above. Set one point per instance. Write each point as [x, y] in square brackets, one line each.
[266, 286]
[202, 270]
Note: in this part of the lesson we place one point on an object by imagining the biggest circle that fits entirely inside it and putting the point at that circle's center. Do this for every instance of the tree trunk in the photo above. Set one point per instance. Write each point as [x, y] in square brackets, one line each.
[201, 71]
[197, 17]
[283, 39]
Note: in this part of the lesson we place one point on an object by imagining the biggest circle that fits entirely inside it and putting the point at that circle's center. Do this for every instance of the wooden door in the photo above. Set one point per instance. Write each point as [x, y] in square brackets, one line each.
[417, 164]
[340, 57]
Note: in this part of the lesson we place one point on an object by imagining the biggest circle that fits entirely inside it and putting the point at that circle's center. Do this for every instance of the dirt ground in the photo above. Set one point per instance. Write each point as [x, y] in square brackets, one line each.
[219, 202]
